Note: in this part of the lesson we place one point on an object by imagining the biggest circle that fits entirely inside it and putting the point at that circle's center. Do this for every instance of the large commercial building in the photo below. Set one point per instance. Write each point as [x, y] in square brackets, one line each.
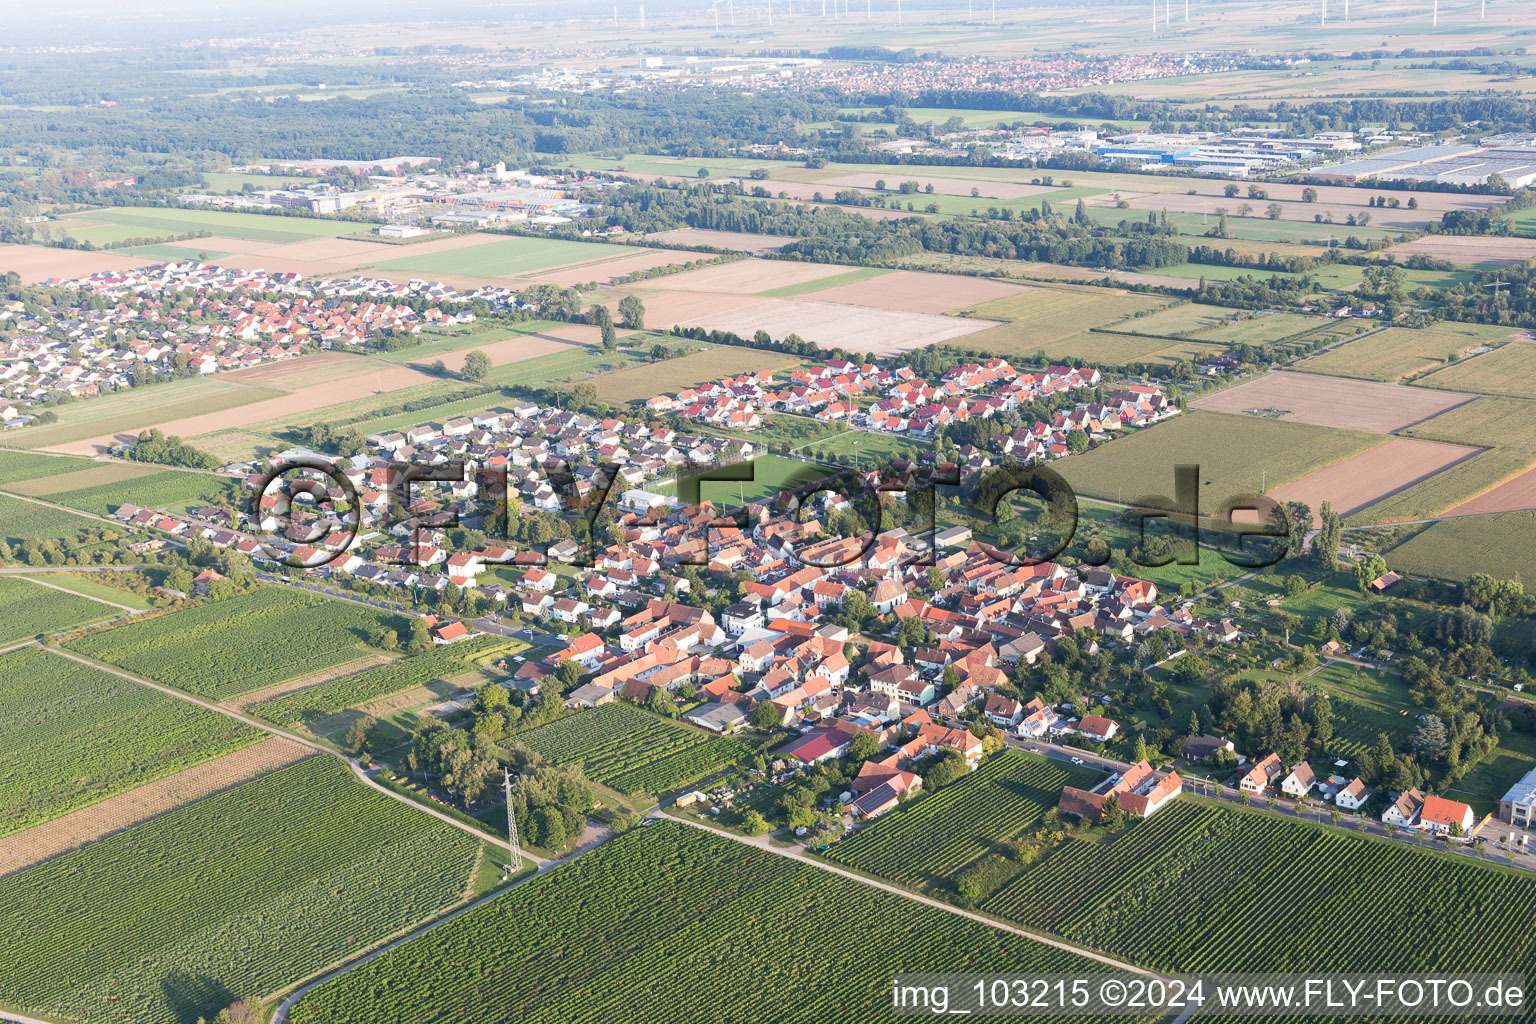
[1518, 806]
[1457, 163]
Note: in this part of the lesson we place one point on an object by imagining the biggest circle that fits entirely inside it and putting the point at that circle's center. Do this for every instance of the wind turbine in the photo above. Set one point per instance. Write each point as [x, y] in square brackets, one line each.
[1186, 12]
[994, 12]
[642, 17]
[898, 11]
[1325, 13]
[714, 9]
[1437, 13]
[730, 9]
[1168, 13]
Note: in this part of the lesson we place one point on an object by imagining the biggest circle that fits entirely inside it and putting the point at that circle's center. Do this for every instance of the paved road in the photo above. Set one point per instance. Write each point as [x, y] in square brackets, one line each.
[798, 853]
[256, 723]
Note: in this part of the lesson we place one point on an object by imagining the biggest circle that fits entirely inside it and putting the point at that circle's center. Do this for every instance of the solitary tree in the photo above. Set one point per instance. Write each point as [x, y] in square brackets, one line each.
[476, 366]
[632, 312]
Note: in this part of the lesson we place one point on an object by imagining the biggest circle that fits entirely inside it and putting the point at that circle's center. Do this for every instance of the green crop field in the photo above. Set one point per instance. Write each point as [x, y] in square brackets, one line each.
[1259, 330]
[71, 735]
[119, 223]
[136, 408]
[930, 839]
[625, 932]
[1195, 886]
[370, 684]
[647, 380]
[27, 520]
[170, 489]
[18, 466]
[1185, 320]
[225, 648]
[632, 751]
[806, 287]
[1510, 370]
[1236, 454]
[232, 897]
[1400, 352]
[1498, 544]
[504, 256]
[1043, 317]
[98, 585]
[27, 609]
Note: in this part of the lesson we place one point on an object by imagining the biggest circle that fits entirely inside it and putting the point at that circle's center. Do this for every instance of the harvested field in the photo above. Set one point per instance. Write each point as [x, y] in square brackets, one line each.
[1399, 352]
[345, 251]
[1236, 454]
[910, 291]
[1364, 479]
[608, 270]
[1469, 249]
[1511, 496]
[1331, 401]
[947, 186]
[305, 370]
[125, 810]
[1509, 371]
[742, 241]
[520, 347]
[855, 328]
[38, 263]
[325, 675]
[358, 385]
[669, 376]
[747, 277]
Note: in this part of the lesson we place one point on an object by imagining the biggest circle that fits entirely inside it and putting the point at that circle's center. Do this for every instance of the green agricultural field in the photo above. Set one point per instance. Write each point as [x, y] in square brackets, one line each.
[1400, 352]
[1236, 455]
[1046, 317]
[637, 920]
[28, 609]
[98, 585]
[136, 408]
[71, 735]
[504, 256]
[76, 475]
[564, 367]
[1498, 544]
[1509, 371]
[16, 467]
[1500, 769]
[1199, 887]
[806, 287]
[1185, 320]
[632, 751]
[476, 335]
[225, 648]
[170, 489]
[647, 380]
[351, 691]
[927, 842]
[113, 224]
[27, 520]
[232, 897]
[1260, 330]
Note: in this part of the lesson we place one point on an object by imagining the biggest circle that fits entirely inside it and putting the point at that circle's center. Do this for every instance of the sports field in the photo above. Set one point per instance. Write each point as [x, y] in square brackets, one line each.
[503, 256]
[1400, 352]
[1510, 371]
[1236, 455]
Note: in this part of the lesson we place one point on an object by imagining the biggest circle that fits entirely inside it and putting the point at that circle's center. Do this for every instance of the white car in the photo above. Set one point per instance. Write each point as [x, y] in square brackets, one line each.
[1078, 760]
